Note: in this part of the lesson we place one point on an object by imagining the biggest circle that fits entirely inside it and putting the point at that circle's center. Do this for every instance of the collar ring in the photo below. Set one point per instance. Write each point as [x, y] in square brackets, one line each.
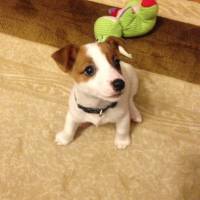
[101, 113]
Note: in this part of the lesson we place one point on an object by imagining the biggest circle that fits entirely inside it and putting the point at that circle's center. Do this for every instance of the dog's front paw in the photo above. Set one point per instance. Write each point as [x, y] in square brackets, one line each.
[61, 139]
[122, 143]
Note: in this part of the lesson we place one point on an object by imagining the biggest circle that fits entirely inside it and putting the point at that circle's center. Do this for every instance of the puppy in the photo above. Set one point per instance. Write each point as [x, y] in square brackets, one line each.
[103, 91]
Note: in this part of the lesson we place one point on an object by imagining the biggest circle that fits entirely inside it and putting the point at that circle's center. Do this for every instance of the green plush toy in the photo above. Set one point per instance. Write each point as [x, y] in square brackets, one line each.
[135, 19]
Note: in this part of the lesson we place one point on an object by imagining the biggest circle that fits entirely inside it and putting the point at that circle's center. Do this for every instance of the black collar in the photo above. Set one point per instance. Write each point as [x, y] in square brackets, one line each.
[99, 111]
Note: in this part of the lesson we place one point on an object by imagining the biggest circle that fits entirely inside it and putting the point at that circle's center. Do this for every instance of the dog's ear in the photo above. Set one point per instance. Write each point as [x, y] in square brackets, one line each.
[118, 44]
[115, 42]
[65, 57]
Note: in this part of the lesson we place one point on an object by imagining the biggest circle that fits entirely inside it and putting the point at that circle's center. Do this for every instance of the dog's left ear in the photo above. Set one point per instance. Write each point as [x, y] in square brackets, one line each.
[119, 44]
[65, 57]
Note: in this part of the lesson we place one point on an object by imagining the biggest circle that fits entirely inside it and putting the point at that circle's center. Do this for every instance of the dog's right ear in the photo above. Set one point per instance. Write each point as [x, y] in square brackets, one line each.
[119, 44]
[65, 57]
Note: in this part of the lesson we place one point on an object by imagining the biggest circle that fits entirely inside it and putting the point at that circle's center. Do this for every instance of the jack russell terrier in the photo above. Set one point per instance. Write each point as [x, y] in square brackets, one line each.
[103, 91]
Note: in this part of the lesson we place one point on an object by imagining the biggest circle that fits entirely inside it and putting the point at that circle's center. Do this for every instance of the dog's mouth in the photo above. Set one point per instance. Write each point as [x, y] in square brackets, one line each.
[116, 95]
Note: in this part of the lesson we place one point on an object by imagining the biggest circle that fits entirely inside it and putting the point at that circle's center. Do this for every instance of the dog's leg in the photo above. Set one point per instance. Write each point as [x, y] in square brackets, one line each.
[134, 112]
[122, 138]
[67, 135]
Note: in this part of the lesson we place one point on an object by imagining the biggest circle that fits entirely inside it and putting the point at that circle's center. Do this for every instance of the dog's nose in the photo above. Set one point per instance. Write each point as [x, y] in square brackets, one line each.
[118, 85]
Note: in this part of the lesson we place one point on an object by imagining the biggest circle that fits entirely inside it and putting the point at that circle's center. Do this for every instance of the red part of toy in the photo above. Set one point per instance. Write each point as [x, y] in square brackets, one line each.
[113, 11]
[148, 3]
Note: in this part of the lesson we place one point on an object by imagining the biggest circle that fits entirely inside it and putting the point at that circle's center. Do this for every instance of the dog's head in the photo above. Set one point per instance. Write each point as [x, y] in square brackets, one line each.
[95, 67]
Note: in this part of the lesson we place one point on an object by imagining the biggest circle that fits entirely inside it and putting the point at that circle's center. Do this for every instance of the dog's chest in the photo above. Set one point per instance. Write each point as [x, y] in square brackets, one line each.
[96, 119]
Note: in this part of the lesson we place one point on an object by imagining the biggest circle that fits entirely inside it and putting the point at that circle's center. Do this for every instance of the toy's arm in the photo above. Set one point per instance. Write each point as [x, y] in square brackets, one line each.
[127, 17]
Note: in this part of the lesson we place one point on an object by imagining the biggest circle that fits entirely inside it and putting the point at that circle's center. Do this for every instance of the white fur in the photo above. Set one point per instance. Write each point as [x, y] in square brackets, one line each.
[96, 93]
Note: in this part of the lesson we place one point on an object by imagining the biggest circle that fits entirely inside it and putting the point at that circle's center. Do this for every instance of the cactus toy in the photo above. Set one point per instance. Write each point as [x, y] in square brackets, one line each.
[135, 19]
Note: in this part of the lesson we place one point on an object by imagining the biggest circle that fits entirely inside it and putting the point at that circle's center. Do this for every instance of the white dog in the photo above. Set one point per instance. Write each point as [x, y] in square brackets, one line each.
[103, 91]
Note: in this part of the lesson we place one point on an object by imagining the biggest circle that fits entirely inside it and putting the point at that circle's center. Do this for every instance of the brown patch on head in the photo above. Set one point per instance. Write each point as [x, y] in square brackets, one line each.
[74, 60]
[81, 63]
[112, 55]
[109, 52]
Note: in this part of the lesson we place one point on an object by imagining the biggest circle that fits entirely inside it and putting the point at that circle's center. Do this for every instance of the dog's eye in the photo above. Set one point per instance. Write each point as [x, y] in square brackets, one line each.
[89, 70]
[116, 63]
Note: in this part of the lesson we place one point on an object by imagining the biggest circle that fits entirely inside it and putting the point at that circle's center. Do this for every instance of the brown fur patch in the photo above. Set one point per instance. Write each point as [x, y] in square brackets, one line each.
[108, 51]
[111, 53]
[82, 61]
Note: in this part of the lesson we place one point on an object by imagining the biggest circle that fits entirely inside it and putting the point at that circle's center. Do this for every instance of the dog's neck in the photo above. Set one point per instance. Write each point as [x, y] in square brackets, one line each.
[88, 100]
